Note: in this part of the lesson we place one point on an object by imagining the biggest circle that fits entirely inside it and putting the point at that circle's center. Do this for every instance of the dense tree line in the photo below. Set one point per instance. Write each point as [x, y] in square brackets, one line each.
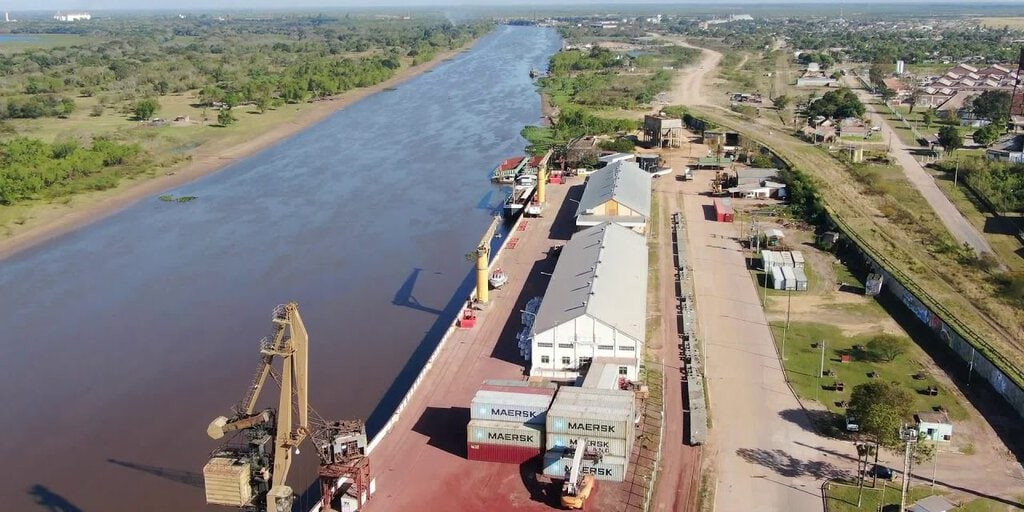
[259, 61]
[837, 104]
[1001, 183]
[30, 168]
[865, 40]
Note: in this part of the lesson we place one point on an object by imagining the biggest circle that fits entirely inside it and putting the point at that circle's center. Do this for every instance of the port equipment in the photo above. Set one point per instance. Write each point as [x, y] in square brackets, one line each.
[483, 262]
[250, 471]
[577, 486]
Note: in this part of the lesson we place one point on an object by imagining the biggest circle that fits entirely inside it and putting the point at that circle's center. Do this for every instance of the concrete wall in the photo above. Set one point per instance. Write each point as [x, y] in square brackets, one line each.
[583, 336]
[977, 363]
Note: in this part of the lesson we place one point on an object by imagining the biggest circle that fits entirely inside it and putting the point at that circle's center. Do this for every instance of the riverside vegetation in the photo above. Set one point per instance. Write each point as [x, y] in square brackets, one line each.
[78, 110]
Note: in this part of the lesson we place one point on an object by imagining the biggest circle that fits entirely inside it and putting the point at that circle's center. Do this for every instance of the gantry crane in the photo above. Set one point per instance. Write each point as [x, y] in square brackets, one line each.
[253, 475]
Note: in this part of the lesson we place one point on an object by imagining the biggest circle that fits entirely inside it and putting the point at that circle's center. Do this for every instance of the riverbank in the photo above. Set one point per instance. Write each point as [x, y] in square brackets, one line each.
[44, 221]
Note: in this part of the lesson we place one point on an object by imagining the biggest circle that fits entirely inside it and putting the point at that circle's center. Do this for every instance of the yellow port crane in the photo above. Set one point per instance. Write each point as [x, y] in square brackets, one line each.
[252, 474]
[483, 262]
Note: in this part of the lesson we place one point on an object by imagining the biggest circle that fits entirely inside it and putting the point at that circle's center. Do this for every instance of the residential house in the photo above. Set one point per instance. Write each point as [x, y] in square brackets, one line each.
[1008, 149]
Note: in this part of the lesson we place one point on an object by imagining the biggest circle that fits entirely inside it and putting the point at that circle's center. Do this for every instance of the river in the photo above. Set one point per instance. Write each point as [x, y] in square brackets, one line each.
[123, 340]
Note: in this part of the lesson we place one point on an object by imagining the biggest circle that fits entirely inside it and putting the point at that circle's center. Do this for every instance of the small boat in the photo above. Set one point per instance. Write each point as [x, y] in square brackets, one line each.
[520, 196]
[534, 209]
[498, 278]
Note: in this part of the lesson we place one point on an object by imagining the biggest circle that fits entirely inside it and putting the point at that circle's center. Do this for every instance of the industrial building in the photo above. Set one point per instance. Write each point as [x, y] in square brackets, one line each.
[663, 131]
[595, 305]
[619, 193]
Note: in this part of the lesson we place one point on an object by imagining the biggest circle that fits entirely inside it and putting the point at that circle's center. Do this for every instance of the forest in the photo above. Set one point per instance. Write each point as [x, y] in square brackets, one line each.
[124, 67]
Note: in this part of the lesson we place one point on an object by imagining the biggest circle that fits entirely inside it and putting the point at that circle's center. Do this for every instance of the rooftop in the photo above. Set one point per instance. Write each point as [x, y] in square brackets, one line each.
[932, 417]
[622, 181]
[602, 272]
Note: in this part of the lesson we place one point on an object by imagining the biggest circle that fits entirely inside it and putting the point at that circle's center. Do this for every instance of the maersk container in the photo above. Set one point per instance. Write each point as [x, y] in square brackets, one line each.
[505, 432]
[603, 445]
[592, 412]
[608, 468]
[501, 453]
[513, 407]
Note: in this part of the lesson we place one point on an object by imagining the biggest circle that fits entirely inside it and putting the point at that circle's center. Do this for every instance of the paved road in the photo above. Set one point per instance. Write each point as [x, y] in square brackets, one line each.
[962, 230]
[766, 455]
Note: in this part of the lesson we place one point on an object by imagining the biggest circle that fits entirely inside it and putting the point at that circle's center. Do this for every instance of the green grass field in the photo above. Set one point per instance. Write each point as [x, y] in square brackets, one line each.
[803, 359]
[843, 498]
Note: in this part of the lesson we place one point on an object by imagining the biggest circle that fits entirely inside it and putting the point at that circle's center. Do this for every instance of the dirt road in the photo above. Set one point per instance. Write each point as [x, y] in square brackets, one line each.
[957, 225]
[687, 88]
[765, 453]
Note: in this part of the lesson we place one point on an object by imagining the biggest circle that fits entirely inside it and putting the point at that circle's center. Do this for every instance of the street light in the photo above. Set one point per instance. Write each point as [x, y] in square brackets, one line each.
[909, 436]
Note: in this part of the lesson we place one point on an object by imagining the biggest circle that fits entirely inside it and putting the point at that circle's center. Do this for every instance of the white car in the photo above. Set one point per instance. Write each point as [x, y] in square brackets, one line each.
[660, 171]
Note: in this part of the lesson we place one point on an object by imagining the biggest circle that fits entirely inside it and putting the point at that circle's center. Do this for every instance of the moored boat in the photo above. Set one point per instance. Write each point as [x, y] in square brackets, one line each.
[498, 278]
[520, 196]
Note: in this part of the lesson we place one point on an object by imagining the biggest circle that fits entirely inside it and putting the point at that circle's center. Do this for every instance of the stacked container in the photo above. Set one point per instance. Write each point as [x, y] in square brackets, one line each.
[507, 421]
[604, 418]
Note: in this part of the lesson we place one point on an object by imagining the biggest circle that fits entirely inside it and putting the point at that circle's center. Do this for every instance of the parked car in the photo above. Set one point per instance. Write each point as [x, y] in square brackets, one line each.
[658, 172]
[883, 472]
[852, 425]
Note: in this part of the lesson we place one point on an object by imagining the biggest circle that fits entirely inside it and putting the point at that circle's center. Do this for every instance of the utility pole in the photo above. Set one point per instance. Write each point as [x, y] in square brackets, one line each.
[909, 436]
[956, 171]
[785, 330]
[821, 370]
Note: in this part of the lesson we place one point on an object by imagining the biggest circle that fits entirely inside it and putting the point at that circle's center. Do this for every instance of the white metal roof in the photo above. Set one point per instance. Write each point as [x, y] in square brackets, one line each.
[622, 181]
[601, 272]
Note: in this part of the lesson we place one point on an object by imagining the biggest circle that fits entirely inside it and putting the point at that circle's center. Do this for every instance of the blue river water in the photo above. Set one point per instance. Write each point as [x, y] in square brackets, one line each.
[122, 340]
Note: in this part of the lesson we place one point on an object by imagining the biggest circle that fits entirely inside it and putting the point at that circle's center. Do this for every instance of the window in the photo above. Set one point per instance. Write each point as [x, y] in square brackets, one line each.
[545, 359]
[623, 370]
[565, 345]
[627, 348]
[566, 361]
[546, 345]
[606, 347]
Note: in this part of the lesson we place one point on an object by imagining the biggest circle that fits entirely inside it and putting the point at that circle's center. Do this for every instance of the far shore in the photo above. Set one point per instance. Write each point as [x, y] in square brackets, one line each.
[51, 220]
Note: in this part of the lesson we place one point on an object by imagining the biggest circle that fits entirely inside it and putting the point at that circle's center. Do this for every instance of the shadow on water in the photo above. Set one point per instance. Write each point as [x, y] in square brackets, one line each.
[405, 298]
[445, 427]
[400, 386]
[189, 478]
[51, 501]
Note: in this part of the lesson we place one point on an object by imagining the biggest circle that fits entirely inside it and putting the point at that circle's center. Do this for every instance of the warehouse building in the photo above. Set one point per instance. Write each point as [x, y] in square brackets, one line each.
[619, 193]
[595, 305]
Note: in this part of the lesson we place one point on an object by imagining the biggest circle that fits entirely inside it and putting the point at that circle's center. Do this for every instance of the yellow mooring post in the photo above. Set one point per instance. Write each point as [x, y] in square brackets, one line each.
[482, 263]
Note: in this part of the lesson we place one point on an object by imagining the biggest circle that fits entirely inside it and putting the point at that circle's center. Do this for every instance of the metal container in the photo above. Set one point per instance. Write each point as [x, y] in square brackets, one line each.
[612, 469]
[501, 453]
[789, 278]
[507, 387]
[798, 259]
[592, 412]
[602, 445]
[227, 481]
[506, 433]
[801, 278]
[787, 259]
[513, 407]
[778, 280]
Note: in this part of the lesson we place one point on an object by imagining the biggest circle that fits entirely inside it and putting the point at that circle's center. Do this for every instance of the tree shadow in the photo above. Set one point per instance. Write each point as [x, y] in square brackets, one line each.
[50, 500]
[817, 421]
[189, 478]
[786, 465]
[405, 298]
[445, 428]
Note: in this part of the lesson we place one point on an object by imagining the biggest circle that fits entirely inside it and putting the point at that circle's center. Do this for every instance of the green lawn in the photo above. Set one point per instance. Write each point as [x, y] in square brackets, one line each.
[843, 498]
[803, 359]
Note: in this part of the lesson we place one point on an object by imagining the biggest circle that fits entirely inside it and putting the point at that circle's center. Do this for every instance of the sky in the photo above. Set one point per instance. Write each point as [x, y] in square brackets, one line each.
[68, 5]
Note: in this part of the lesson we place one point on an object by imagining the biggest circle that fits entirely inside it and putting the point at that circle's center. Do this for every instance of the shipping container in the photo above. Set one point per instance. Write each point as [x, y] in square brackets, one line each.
[521, 383]
[778, 280]
[506, 406]
[592, 412]
[787, 259]
[768, 260]
[798, 259]
[789, 278]
[602, 445]
[801, 279]
[529, 390]
[723, 212]
[505, 432]
[501, 453]
[609, 468]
